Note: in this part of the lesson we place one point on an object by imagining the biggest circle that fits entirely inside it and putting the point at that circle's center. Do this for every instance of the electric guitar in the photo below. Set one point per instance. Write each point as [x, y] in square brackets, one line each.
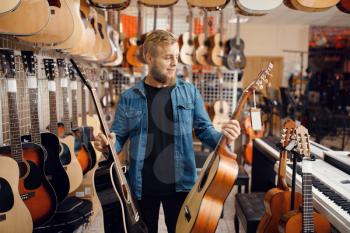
[277, 201]
[28, 18]
[35, 190]
[54, 170]
[67, 155]
[305, 220]
[202, 207]
[127, 216]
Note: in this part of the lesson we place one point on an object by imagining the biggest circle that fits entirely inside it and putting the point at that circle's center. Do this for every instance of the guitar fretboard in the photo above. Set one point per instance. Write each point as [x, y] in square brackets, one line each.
[308, 211]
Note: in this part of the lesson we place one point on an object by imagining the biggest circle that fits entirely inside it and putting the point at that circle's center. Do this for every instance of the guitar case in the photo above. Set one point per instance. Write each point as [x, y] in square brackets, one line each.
[70, 215]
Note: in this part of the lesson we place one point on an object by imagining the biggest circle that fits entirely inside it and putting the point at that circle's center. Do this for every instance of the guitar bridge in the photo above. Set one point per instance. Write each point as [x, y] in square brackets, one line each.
[187, 214]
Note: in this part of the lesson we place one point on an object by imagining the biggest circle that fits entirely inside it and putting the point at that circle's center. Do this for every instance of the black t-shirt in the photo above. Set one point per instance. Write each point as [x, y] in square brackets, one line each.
[158, 173]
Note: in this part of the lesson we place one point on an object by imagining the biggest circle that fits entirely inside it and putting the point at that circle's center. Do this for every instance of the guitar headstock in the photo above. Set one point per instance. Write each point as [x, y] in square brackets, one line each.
[263, 78]
[84, 80]
[288, 132]
[49, 65]
[29, 62]
[62, 67]
[303, 142]
[7, 63]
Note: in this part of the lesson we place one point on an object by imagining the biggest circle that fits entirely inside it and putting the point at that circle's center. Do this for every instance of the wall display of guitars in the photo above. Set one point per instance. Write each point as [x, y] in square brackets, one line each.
[202, 207]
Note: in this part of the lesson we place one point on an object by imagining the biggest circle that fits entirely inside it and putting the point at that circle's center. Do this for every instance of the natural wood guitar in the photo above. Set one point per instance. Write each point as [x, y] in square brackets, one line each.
[113, 33]
[311, 6]
[277, 201]
[202, 207]
[216, 45]
[15, 216]
[221, 108]
[202, 43]
[60, 26]
[30, 17]
[186, 42]
[9, 5]
[306, 219]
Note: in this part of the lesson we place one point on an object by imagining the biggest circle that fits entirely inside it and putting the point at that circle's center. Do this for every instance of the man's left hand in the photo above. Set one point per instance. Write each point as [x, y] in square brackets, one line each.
[231, 130]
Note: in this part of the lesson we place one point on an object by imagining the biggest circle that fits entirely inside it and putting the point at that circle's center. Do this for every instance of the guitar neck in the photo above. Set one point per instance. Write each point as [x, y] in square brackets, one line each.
[281, 181]
[221, 27]
[34, 116]
[206, 24]
[83, 106]
[155, 12]
[238, 39]
[308, 211]
[74, 105]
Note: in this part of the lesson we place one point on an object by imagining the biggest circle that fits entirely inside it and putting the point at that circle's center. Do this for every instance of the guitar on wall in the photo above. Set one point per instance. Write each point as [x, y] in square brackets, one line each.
[119, 193]
[235, 59]
[202, 207]
[202, 43]
[305, 219]
[277, 201]
[256, 7]
[216, 45]
[54, 170]
[67, 155]
[186, 42]
[310, 6]
[35, 190]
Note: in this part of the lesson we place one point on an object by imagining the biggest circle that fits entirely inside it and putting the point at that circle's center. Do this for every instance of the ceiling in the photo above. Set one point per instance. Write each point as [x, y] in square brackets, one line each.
[280, 15]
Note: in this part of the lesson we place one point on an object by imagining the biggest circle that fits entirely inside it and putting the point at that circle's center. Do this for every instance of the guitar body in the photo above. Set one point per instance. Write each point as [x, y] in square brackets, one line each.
[8, 5]
[256, 7]
[210, 5]
[157, 3]
[60, 26]
[291, 222]
[220, 114]
[14, 213]
[111, 4]
[344, 6]
[54, 170]
[277, 202]
[235, 58]
[311, 6]
[204, 202]
[70, 162]
[78, 28]
[215, 51]
[36, 192]
[202, 50]
[116, 57]
[30, 17]
[114, 208]
[186, 48]
[131, 54]
[105, 49]
[251, 135]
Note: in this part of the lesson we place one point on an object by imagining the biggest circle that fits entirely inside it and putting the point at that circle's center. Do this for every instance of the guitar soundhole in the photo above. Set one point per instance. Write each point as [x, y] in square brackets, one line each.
[203, 181]
[56, 3]
[6, 197]
[23, 169]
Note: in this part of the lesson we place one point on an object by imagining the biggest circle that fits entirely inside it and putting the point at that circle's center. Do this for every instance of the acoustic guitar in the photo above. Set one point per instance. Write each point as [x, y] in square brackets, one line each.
[209, 5]
[114, 37]
[111, 4]
[202, 207]
[67, 156]
[277, 201]
[15, 216]
[60, 26]
[305, 219]
[202, 43]
[344, 6]
[34, 188]
[127, 215]
[30, 17]
[256, 7]
[310, 6]
[186, 42]
[216, 45]
[54, 170]
[234, 56]
[9, 5]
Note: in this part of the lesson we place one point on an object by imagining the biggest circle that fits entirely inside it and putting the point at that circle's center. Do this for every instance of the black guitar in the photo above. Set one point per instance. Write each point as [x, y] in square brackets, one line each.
[54, 170]
[113, 191]
[234, 57]
[34, 188]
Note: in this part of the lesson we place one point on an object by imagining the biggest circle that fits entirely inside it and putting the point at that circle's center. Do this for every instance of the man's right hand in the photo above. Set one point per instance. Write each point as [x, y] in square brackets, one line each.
[101, 142]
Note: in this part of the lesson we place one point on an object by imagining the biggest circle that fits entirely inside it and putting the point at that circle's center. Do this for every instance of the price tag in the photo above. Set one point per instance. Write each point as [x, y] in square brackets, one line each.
[255, 115]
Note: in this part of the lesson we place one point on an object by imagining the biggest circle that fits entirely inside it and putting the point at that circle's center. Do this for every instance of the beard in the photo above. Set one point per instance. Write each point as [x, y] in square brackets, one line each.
[160, 77]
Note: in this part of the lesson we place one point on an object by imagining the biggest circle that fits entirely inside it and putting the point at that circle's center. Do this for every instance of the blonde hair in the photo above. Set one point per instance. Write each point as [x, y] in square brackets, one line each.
[157, 38]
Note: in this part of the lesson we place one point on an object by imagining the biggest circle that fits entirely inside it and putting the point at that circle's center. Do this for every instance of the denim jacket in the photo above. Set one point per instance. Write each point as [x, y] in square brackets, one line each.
[189, 113]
